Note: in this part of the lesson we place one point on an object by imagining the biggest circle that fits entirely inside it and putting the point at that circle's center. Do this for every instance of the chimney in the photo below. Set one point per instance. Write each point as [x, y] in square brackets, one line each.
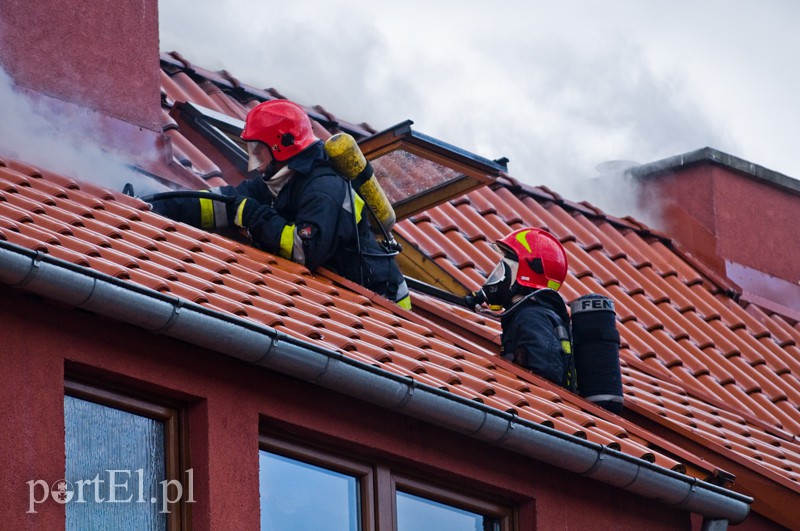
[738, 217]
[94, 61]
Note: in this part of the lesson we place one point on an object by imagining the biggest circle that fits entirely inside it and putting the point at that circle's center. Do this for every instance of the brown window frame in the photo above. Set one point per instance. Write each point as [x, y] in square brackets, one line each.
[471, 171]
[175, 434]
[424, 489]
[379, 483]
[335, 462]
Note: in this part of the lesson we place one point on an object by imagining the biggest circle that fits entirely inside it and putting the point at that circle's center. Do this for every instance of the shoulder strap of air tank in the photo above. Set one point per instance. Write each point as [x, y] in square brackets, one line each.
[554, 300]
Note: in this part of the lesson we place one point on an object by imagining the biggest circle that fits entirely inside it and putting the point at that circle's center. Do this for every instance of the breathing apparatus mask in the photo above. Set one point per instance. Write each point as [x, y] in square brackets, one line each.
[498, 289]
[261, 161]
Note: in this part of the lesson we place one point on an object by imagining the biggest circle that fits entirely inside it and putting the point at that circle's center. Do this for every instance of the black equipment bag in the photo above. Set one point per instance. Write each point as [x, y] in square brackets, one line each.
[595, 342]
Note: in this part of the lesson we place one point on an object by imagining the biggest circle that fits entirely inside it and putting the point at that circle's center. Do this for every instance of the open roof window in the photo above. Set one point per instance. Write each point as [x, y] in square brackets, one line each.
[416, 171]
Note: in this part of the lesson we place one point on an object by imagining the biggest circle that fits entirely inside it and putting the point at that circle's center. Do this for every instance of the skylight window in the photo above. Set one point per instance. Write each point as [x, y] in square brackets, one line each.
[418, 172]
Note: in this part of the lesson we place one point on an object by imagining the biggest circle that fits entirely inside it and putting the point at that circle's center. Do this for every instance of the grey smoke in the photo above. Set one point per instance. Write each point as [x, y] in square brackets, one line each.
[502, 86]
[60, 141]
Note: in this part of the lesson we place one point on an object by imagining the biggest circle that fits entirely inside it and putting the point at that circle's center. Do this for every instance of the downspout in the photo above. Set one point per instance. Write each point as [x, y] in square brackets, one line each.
[713, 524]
[266, 347]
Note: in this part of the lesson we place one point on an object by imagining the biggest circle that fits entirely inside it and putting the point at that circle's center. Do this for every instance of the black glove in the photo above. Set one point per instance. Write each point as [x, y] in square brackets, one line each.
[242, 212]
[474, 299]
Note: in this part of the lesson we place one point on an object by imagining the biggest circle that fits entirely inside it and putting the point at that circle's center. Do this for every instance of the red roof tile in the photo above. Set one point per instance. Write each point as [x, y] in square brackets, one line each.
[128, 243]
[668, 310]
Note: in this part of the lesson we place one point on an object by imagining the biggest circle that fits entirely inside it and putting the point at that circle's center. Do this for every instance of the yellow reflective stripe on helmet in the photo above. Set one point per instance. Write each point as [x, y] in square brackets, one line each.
[206, 213]
[287, 242]
[521, 238]
[553, 285]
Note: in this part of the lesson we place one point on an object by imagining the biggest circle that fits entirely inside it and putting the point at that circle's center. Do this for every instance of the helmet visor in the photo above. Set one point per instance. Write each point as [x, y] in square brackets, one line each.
[498, 274]
[259, 156]
[508, 257]
[497, 288]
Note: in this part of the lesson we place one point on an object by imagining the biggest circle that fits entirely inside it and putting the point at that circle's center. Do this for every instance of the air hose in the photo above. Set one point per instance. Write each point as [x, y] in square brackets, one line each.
[198, 194]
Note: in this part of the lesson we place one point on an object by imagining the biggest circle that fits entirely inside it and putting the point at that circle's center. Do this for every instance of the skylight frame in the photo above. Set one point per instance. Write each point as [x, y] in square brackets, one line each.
[473, 171]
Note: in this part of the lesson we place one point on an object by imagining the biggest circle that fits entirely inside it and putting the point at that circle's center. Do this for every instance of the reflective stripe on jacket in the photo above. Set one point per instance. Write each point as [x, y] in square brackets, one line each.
[311, 221]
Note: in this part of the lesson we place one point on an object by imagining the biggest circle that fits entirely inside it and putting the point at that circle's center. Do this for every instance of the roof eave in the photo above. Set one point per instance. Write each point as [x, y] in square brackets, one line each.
[266, 347]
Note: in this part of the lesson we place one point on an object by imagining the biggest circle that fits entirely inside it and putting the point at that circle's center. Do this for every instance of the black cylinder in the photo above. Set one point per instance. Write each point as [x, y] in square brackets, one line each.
[595, 346]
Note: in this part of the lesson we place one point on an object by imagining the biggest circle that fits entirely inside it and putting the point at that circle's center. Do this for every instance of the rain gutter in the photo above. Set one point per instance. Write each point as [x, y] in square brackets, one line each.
[262, 346]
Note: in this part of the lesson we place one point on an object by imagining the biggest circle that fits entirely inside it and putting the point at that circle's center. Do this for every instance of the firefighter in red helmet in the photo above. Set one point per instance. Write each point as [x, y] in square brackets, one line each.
[276, 130]
[524, 286]
[299, 207]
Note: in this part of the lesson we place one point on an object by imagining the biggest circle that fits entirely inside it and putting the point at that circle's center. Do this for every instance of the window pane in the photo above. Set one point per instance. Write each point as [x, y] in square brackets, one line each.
[403, 174]
[304, 497]
[415, 513]
[115, 463]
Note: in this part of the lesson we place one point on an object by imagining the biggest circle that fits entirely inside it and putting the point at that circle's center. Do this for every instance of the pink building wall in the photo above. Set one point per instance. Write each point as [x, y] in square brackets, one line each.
[227, 402]
[103, 56]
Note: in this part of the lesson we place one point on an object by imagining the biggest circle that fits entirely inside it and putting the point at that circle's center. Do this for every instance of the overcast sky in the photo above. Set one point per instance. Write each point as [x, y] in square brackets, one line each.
[557, 87]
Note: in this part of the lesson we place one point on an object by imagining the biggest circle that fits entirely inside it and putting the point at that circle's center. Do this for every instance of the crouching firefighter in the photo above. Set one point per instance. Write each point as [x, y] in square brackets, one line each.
[537, 329]
[301, 208]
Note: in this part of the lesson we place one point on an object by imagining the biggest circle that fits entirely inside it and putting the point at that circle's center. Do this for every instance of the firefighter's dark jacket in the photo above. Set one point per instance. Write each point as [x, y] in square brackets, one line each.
[536, 336]
[316, 204]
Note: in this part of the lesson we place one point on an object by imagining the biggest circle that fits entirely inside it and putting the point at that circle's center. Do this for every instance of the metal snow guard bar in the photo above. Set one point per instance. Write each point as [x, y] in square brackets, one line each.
[259, 345]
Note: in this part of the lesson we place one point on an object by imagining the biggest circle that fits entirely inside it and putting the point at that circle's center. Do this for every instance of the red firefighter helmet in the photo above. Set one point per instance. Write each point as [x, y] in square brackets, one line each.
[280, 124]
[541, 257]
